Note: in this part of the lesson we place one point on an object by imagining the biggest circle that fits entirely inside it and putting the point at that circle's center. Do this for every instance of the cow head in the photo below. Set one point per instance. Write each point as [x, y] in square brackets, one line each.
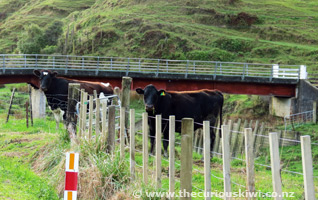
[45, 77]
[151, 96]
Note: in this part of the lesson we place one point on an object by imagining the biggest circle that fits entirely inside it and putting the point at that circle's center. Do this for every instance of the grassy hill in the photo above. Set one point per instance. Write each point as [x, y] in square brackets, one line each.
[272, 31]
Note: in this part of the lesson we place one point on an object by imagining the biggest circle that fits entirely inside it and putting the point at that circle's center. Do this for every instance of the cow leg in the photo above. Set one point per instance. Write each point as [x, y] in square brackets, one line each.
[212, 139]
[152, 141]
[152, 134]
[165, 141]
[57, 116]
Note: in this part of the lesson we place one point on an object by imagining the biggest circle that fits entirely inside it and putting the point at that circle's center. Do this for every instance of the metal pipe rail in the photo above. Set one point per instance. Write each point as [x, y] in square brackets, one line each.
[156, 66]
[298, 118]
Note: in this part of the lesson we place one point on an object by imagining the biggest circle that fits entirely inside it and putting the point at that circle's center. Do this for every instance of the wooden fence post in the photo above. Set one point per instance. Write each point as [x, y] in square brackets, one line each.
[27, 113]
[172, 131]
[132, 144]
[122, 132]
[249, 152]
[90, 117]
[314, 114]
[259, 140]
[187, 128]
[217, 138]
[11, 101]
[207, 159]
[195, 142]
[104, 135]
[230, 128]
[235, 138]
[226, 160]
[255, 132]
[73, 98]
[111, 129]
[97, 117]
[158, 151]
[145, 146]
[80, 120]
[275, 165]
[125, 99]
[200, 146]
[30, 100]
[307, 167]
[84, 118]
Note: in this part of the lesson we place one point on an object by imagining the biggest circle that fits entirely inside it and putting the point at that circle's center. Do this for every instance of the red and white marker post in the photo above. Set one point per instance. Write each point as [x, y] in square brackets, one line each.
[71, 176]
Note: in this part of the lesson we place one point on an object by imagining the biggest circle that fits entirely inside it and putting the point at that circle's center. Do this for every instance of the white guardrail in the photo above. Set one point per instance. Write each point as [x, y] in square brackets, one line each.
[157, 66]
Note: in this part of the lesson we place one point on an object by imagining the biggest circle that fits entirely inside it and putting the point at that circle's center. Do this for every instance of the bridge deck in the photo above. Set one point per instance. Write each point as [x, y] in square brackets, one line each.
[238, 78]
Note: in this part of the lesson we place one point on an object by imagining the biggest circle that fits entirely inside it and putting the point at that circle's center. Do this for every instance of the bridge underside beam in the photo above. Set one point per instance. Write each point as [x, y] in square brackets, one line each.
[226, 87]
[272, 89]
[279, 90]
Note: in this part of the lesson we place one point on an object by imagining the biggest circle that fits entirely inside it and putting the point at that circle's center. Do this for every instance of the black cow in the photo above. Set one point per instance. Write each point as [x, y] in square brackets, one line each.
[200, 105]
[56, 91]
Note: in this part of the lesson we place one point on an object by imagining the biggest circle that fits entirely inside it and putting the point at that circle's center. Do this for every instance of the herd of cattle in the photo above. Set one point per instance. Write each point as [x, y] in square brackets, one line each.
[200, 105]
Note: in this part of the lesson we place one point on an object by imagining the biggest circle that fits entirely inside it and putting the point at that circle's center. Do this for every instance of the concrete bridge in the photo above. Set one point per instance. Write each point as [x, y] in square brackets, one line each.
[283, 82]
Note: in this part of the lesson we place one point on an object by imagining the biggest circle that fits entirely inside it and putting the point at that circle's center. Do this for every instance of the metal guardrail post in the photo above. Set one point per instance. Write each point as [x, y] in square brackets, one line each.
[83, 63]
[53, 61]
[96, 73]
[4, 64]
[187, 69]
[139, 64]
[127, 70]
[66, 64]
[111, 64]
[25, 66]
[244, 69]
[157, 73]
[194, 67]
[272, 72]
[215, 69]
[167, 65]
[36, 60]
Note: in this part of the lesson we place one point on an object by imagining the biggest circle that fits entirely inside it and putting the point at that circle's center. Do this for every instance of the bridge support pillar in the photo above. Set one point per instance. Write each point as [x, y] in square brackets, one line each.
[38, 103]
[281, 106]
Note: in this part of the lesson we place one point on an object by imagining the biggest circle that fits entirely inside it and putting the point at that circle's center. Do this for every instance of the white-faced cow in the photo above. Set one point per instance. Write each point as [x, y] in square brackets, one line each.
[56, 91]
[200, 105]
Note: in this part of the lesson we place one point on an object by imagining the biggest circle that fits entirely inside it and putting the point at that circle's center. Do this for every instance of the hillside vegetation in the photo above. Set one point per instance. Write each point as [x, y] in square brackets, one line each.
[272, 31]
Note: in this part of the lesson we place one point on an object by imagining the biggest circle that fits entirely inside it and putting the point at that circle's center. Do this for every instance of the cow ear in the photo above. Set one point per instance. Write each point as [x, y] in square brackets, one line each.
[162, 93]
[54, 73]
[37, 73]
[140, 91]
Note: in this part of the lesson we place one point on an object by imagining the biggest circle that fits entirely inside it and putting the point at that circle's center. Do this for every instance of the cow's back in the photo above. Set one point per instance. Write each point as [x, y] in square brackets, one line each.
[197, 105]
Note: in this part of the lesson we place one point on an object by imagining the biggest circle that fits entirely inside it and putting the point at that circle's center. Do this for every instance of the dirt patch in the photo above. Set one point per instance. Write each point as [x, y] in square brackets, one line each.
[191, 11]
[152, 38]
[242, 19]
[3, 16]
[104, 37]
[15, 154]
[19, 140]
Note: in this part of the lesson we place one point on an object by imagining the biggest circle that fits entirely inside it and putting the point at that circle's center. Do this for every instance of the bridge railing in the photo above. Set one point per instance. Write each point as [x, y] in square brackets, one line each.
[156, 66]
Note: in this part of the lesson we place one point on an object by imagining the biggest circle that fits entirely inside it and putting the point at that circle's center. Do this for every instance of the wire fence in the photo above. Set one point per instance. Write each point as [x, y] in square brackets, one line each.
[97, 123]
[298, 119]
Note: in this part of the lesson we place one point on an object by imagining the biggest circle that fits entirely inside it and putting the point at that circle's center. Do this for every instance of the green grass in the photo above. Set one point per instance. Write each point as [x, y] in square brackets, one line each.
[17, 181]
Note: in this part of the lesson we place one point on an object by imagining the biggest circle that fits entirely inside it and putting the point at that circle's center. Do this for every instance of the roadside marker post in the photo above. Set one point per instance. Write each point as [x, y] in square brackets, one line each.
[71, 176]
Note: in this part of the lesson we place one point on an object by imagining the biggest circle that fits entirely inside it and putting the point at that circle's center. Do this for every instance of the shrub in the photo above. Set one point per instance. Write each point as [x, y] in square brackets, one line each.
[214, 54]
[233, 45]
